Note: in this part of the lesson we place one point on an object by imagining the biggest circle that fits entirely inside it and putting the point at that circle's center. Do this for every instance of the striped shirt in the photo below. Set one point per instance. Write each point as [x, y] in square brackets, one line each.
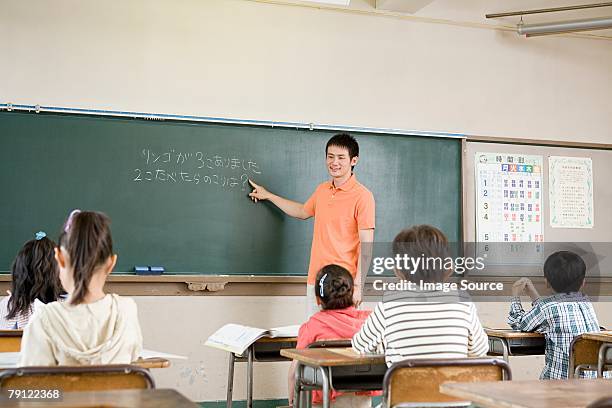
[560, 318]
[422, 324]
[18, 322]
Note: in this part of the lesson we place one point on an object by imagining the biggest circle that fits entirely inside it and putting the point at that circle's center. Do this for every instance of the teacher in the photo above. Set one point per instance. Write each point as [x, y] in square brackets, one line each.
[344, 212]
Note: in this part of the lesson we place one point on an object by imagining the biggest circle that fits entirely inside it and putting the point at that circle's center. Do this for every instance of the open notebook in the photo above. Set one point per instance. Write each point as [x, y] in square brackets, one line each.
[236, 338]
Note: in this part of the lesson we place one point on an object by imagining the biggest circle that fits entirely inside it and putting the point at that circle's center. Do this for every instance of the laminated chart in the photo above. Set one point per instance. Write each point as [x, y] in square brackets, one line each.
[509, 219]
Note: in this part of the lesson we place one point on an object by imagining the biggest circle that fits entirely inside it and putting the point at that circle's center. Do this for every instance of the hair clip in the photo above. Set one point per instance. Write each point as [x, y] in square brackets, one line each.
[321, 282]
[70, 218]
[40, 235]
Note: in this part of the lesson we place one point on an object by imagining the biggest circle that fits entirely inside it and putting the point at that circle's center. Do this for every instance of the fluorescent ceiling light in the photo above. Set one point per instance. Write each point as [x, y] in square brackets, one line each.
[565, 26]
[334, 2]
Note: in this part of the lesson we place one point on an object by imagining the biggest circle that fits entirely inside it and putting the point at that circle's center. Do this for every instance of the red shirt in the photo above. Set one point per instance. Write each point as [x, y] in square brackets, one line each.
[339, 324]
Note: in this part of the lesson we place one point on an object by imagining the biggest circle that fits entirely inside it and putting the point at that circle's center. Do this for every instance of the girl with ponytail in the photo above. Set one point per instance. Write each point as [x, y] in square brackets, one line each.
[90, 327]
[337, 320]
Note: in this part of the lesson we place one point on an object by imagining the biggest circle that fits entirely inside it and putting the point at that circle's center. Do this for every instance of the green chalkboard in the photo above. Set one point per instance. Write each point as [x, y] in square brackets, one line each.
[176, 191]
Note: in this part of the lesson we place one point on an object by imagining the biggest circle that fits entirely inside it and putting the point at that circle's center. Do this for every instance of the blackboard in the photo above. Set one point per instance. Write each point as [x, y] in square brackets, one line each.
[176, 191]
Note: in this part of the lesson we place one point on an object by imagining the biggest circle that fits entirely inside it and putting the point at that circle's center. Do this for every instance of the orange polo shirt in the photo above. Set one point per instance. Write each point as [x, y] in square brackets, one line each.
[339, 214]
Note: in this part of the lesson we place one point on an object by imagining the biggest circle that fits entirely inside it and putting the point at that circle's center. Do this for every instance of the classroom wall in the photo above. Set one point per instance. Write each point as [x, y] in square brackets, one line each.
[268, 61]
[257, 60]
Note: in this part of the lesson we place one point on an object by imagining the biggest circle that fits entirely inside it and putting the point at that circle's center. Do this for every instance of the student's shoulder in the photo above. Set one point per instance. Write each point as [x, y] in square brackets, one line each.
[125, 304]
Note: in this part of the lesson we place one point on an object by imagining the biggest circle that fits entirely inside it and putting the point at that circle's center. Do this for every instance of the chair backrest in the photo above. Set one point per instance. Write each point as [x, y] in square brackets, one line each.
[10, 340]
[77, 378]
[605, 402]
[330, 344]
[418, 381]
[583, 355]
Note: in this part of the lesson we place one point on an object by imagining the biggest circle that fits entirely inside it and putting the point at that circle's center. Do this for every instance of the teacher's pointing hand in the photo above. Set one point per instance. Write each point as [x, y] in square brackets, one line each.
[259, 192]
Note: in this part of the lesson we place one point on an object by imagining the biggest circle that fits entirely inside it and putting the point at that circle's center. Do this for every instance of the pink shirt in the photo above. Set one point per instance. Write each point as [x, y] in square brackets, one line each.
[339, 324]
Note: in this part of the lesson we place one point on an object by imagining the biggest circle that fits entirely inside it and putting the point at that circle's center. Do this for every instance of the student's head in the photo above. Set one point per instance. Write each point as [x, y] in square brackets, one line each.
[85, 253]
[565, 271]
[342, 152]
[429, 244]
[334, 287]
[35, 276]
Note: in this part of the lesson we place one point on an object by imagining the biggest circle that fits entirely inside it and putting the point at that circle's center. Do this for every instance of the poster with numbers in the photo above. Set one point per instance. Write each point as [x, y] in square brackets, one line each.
[509, 208]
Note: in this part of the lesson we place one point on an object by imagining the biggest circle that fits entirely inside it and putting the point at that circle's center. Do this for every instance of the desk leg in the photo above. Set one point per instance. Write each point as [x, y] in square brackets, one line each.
[506, 349]
[230, 380]
[297, 386]
[601, 358]
[326, 386]
[250, 378]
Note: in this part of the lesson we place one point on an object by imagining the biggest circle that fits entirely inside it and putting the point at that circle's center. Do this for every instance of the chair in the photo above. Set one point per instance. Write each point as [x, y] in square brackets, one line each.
[416, 382]
[330, 344]
[77, 378]
[585, 356]
[10, 340]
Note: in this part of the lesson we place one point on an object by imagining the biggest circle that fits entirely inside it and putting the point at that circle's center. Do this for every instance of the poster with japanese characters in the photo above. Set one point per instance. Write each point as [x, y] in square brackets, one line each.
[509, 207]
[571, 192]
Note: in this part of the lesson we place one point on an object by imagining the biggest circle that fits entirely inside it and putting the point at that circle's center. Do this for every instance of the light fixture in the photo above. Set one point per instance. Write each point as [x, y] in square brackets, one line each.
[571, 26]
[334, 2]
[531, 30]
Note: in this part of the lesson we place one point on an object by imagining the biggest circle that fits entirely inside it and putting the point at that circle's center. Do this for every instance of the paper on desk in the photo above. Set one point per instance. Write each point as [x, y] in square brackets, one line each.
[236, 338]
[153, 354]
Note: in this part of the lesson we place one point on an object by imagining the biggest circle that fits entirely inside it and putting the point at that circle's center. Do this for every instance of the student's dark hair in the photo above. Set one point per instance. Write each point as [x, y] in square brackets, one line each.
[334, 286]
[346, 141]
[427, 242]
[565, 271]
[35, 276]
[87, 238]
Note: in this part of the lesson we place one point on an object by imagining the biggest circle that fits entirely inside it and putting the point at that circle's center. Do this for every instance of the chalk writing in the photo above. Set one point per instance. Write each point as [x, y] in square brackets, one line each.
[174, 166]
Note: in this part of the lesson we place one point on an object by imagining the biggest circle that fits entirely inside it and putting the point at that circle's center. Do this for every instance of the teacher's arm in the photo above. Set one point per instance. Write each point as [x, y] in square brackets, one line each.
[291, 208]
[366, 239]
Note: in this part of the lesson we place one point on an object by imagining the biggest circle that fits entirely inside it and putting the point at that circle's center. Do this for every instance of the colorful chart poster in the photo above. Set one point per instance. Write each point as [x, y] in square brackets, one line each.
[509, 206]
[571, 192]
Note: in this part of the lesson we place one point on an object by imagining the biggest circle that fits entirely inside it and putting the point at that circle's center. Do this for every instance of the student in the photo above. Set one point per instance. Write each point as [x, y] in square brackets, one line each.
[90, 327]
[422, 324]
[35, 279]
[343, 210]
[338, 319]
[560, 317]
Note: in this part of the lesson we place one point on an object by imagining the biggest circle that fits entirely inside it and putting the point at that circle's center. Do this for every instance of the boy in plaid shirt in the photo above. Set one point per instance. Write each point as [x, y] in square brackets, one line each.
[560, 317]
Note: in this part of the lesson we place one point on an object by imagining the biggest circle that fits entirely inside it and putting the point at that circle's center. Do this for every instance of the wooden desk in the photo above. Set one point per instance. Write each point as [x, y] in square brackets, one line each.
[153, 362]
[531, 394]
[508, 342]
[155, 398]
[265, 349]
[336, 368]
[591, 351]
[10, 360]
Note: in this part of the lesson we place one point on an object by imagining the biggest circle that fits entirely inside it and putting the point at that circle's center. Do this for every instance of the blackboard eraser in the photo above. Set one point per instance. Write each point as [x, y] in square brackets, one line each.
[141, 269]
[156, 270]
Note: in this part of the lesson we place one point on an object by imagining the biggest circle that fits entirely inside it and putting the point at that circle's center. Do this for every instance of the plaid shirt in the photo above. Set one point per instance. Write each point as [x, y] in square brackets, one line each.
[560, 318]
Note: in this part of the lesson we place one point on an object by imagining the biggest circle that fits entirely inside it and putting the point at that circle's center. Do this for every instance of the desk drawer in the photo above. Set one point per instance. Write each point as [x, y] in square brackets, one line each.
[525, 346]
